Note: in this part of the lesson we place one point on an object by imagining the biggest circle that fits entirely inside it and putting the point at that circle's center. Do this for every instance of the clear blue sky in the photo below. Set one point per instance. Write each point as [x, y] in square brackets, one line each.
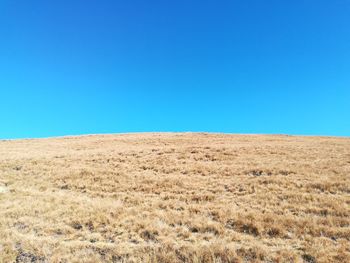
[83, 66]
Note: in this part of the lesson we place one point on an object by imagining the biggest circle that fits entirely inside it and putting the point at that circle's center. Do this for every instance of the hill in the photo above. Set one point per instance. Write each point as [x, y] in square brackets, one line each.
[175, 197]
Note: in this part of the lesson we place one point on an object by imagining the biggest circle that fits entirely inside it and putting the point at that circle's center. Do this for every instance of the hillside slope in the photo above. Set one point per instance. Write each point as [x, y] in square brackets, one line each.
[175, 197]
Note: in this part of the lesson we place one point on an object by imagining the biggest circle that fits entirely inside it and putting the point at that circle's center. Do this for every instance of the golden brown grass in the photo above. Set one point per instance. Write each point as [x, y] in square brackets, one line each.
[175, 198]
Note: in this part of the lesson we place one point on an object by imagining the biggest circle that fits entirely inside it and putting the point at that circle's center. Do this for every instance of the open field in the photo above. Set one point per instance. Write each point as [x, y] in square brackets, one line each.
[175, 197]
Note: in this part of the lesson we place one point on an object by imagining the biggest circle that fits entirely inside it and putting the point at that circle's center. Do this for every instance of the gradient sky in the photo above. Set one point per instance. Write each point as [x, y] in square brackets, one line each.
[70, 67]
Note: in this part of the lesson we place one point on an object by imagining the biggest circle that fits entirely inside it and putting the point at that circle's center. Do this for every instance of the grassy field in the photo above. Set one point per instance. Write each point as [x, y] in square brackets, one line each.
[175, 197]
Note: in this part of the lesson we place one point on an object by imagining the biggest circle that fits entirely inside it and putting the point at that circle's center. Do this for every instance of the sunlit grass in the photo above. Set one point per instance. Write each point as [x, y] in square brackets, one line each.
[175, 198]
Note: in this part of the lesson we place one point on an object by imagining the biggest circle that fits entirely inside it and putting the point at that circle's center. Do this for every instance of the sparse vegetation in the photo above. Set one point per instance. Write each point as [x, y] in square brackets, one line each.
[175, 198]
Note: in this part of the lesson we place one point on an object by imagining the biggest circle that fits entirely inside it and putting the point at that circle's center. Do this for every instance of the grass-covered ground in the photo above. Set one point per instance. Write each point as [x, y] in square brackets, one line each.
[175, 197]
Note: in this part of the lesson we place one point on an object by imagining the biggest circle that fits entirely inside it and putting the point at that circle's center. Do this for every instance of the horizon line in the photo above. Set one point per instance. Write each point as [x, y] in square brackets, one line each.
[168, 132]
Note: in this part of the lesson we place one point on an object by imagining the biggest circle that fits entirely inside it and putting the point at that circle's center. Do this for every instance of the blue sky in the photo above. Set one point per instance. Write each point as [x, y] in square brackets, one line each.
[83, 66]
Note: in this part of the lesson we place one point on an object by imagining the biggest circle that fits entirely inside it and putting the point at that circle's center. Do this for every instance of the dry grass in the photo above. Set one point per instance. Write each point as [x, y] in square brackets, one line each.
[175, 198]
